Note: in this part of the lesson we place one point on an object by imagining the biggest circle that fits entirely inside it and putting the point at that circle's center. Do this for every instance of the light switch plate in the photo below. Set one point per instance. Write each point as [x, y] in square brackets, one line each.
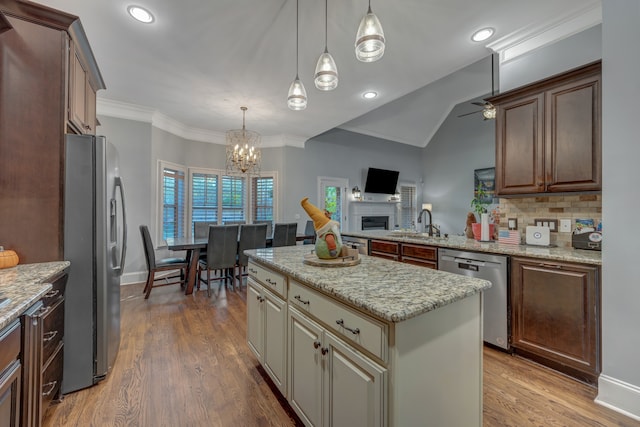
[552, 224]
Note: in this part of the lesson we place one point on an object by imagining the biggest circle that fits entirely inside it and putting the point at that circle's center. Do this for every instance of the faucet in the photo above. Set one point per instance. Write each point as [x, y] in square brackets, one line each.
[430, 226]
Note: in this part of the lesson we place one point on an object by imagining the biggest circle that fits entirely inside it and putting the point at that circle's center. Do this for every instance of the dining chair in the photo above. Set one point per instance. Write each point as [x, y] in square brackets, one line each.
[269, 226]
[222, 246]
[165, 264]
[284, 234]
[309, 231]
[292, 230]
[252, 236]
[201, 229]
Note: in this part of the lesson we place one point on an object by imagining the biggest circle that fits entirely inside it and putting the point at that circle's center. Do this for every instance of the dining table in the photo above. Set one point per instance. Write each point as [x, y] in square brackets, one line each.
[194, 246]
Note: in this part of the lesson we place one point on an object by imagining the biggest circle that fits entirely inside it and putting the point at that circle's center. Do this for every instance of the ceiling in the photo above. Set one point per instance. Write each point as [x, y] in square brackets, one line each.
[204, 59]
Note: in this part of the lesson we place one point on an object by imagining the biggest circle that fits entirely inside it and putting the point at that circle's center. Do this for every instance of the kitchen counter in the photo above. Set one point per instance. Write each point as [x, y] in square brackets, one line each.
[462, 243]
[389, 290]
[24, 285]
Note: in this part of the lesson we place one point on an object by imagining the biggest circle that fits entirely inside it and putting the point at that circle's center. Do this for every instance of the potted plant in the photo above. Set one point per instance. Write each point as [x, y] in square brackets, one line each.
[479, 205]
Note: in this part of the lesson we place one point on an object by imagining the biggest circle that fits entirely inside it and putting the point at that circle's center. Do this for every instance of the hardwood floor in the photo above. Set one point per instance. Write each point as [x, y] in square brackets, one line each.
[184, 361]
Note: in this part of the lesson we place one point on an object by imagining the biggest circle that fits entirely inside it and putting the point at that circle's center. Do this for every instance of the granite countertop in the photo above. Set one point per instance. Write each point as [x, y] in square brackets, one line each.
[462, 243]
[24, 285]
[390, 290]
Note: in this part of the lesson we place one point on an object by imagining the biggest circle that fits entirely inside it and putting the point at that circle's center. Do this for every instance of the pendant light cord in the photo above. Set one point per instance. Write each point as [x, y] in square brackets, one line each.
[297, 41]
[326, 15]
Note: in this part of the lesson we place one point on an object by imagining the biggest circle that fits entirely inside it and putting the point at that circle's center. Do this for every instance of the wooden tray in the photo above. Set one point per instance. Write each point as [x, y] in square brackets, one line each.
[348, 258]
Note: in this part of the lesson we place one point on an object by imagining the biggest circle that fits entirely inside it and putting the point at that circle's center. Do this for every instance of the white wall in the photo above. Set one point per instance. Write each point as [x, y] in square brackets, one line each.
[619, 384]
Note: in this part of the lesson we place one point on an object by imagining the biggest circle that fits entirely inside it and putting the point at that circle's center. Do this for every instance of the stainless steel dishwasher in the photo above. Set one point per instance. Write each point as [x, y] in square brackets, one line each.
[495, 301]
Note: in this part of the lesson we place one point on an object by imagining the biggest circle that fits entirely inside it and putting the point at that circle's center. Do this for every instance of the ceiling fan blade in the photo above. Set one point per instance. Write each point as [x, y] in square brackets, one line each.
[468, 114]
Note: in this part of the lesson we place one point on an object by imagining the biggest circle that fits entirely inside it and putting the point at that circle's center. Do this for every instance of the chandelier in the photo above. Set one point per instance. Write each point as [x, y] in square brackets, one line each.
[243, 150]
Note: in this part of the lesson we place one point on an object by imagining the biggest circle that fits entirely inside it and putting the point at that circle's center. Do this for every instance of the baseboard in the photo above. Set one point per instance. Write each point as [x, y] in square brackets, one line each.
[620, 396]
[141, 277]
[131, 278]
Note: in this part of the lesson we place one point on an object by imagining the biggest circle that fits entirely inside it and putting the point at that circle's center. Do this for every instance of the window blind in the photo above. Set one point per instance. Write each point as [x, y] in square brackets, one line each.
[173, 203]
[233, 199]
[204, 197]
[408, 211]
[262, 198]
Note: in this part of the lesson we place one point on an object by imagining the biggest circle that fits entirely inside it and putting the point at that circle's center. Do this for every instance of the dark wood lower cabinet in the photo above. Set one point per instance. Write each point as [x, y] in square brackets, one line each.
[385, 249]
[10, 375]
[424, 256]
[556, 315]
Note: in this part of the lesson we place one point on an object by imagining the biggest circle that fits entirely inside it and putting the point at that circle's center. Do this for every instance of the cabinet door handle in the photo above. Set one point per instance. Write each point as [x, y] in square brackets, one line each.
[355, 331]
[52, 293]
[324, 350]
[556, 266]
[297, 297]
[259, 298]
[51, 385]
[316, 344]
[49, 336]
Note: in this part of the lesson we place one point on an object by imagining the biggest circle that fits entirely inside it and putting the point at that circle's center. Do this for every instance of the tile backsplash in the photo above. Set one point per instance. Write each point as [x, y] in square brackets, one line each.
[527, 209]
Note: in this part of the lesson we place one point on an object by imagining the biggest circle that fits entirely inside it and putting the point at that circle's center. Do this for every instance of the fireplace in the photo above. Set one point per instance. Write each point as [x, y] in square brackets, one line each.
[376, 222]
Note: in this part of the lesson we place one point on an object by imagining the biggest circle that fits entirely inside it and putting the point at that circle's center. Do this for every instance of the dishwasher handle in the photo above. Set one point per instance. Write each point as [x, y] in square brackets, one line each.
[469, 261]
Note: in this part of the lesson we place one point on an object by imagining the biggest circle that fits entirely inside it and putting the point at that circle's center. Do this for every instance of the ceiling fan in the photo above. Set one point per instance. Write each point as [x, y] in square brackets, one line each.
[488, 109]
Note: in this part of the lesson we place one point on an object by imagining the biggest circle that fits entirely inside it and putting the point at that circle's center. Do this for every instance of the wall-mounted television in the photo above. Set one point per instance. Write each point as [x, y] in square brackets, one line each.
[381, 181]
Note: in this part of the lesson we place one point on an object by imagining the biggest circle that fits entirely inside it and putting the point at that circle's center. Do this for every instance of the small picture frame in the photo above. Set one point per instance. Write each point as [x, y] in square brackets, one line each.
[486, 178]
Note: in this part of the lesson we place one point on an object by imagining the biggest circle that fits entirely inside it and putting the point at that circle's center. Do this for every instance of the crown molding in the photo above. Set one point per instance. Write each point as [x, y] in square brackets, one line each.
[530, 38]
[139, 113]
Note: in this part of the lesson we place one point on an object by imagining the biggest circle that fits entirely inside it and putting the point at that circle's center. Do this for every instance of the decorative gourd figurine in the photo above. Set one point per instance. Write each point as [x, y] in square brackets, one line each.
[328, 239]
[8, 258]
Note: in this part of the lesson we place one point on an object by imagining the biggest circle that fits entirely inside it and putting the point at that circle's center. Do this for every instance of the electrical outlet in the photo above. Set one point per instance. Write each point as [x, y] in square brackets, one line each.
[565, 225]
[546, 222]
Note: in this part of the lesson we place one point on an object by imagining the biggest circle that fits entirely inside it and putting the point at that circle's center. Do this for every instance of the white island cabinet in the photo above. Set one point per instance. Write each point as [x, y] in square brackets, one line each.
[376, 344]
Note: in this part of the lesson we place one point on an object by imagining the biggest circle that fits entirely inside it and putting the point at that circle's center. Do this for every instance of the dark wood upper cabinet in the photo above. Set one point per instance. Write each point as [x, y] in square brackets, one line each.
[34, 110]
[548, 135]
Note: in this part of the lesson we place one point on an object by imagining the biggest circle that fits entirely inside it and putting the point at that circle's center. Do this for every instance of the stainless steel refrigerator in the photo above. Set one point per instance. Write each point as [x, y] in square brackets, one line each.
[95, 234]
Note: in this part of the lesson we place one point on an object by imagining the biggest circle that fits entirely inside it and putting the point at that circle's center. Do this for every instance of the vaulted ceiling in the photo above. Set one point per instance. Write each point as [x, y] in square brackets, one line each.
[201, 60]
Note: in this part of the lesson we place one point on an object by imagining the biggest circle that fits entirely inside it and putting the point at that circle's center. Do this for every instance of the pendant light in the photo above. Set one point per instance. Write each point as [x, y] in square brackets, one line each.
[326, 76]
[297, 99]
[370, 38]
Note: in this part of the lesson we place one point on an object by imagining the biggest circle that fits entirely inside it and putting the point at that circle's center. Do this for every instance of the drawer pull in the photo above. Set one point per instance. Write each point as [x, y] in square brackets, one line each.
[556, 266]
[355, 331]
[49, 336]
[316, 344]
[301, 300]
[51, 385]
[52, 293]
[253, 270]
[324, 350]
[271, 282]
[259, 298]
[43, 311]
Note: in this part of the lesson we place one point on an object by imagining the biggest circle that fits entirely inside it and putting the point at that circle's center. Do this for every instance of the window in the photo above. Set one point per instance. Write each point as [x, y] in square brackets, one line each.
[408, 211]
[262, 198]
[219, 198]
[233, 199]
[204, 197]
[172, 196]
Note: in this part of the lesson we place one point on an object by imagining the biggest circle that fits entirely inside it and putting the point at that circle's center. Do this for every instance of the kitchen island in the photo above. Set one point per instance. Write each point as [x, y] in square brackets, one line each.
[379, 343]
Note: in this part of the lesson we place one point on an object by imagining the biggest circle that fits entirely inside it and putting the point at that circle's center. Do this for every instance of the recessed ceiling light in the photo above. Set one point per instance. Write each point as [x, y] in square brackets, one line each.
[369, 94]
[482, 35]
[140, 14]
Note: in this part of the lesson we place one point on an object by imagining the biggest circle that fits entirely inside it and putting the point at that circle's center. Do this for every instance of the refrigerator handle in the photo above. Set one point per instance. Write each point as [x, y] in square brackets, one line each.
[119, 185]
